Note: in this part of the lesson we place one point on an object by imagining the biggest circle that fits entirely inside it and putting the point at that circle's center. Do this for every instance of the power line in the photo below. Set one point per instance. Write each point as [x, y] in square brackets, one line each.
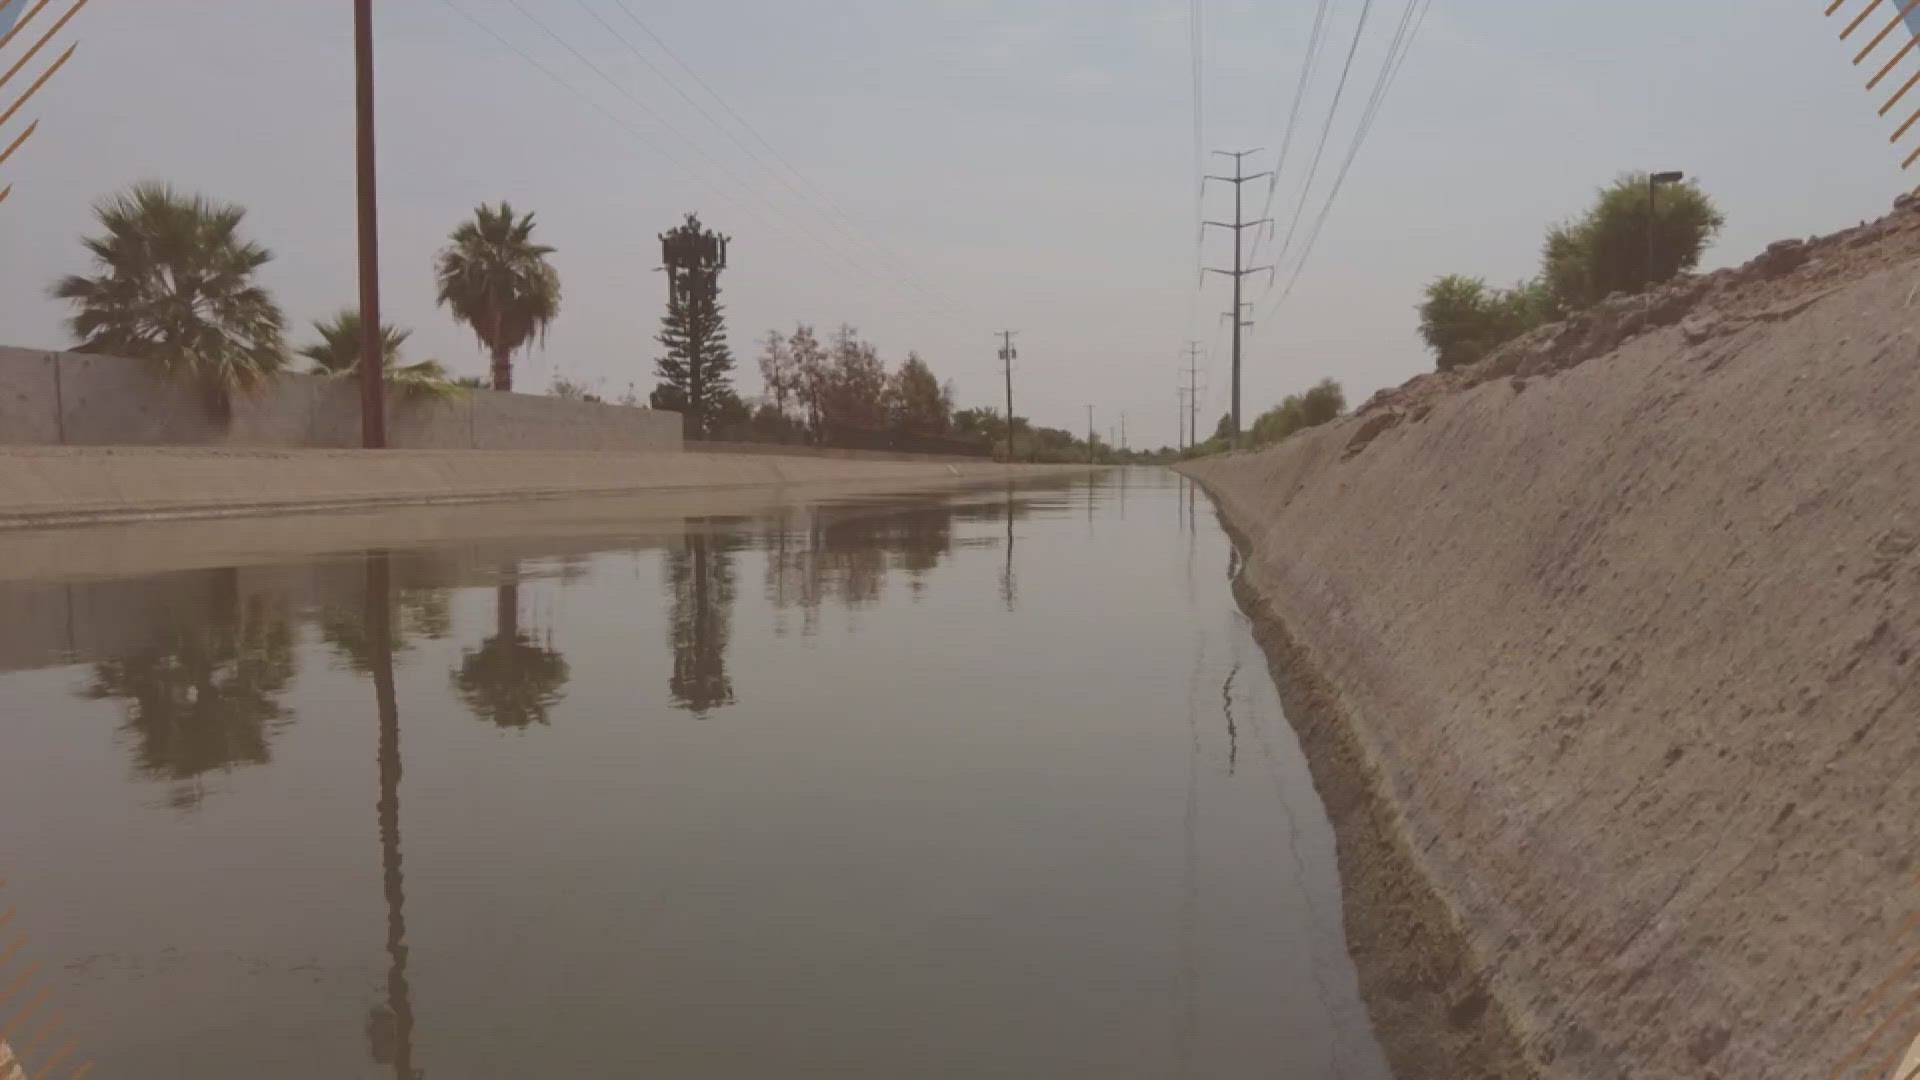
[1307, 66]
[1397, 50]
[850, 265]
[812, 195]
[1196, 46]
[1196, 54]
[692, 144]
[1326, 131]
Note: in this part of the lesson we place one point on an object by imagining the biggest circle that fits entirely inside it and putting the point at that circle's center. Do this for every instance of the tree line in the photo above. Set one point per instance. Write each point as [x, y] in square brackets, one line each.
[175, 281]
[1633, 237]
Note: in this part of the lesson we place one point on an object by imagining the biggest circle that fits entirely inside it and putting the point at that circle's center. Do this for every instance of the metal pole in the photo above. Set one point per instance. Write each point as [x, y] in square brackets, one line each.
[1089, 434]
[1006, 354]
[1239, 225]
[1651, 188]
[373, 419]
[1237, 277]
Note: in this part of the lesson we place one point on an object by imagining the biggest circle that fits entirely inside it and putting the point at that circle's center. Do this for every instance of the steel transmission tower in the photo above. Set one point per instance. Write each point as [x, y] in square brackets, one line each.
[1240, 271]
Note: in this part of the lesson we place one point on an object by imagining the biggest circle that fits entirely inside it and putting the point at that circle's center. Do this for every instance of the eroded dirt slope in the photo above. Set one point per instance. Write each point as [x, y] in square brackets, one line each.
[1624, 622]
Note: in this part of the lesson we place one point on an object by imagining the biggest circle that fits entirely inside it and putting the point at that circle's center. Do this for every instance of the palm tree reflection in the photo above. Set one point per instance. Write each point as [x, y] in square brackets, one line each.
[511, 679]
[203, 693]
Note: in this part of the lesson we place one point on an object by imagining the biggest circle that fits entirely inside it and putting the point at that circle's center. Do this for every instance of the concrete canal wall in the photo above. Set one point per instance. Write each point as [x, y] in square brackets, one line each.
[71, 399]
[73, 485]
[1606, 653]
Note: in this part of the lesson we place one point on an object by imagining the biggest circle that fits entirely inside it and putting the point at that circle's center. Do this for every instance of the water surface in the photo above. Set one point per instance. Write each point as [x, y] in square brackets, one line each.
[991, 784]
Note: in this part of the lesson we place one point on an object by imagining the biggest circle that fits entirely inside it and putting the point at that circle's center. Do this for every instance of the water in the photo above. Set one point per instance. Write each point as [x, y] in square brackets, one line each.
[993, 784]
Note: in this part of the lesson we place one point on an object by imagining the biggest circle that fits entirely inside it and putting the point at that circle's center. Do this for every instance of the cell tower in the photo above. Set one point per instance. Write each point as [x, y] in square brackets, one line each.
[693, 256]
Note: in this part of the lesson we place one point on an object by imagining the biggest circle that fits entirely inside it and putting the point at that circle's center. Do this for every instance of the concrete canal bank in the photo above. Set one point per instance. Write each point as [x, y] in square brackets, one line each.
[1604, 652]
[46, 486]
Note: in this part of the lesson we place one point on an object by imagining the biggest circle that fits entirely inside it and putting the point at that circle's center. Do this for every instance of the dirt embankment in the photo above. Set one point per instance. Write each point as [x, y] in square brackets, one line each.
[1606, 653]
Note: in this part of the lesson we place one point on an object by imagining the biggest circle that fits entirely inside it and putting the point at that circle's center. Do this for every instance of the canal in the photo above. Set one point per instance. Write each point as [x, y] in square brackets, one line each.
[980, 784]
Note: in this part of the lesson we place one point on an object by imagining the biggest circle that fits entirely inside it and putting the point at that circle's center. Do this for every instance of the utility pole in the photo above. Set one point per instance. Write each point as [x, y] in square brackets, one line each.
[1007, 354]
[1193, 393]
[1239, 272]
[1089, 434]
[373, 397]
[1123, 431]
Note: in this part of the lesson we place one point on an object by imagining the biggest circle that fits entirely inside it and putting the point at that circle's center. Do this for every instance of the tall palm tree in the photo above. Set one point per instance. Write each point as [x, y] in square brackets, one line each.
[174, 285]
[498, 281]
[337, 354]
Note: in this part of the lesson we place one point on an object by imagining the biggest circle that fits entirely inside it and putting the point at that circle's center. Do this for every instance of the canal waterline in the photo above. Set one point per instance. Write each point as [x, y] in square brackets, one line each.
[980, 784]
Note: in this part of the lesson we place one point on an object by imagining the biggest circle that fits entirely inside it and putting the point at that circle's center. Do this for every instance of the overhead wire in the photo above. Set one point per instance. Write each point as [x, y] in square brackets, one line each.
[1308, 64]
[1326, 131]
[843, 263]
[1397, 50]
[657, 118]
[1196, 50]
[806, 190]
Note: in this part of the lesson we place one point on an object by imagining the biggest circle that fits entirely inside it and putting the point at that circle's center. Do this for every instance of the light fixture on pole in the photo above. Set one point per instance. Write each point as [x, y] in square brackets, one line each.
[1654, 180]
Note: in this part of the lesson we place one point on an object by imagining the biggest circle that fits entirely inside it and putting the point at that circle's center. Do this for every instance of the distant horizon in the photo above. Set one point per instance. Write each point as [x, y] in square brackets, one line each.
[935, 175]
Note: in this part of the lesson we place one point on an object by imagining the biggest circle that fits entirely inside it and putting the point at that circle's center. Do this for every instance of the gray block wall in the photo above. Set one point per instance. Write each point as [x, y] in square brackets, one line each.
[70, 399]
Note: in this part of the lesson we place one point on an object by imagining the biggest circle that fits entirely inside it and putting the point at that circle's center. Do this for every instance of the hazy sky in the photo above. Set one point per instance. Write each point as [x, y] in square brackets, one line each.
[999, 163]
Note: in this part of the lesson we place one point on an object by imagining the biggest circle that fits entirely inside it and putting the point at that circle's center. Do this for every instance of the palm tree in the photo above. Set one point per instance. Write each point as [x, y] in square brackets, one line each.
[498, 281]
[337, 354]
[175, 286]
[338, 350]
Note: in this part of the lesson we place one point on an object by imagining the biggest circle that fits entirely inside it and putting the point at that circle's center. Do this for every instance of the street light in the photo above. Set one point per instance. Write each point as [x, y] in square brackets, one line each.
[1654, 180]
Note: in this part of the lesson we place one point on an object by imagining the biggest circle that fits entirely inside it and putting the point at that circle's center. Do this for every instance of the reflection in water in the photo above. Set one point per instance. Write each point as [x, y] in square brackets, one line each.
[1226, 706]
[200, 695]
[390, 1024]
[700, 575]
[511, 679]
[1009, 591]
[1197, 936]
[413, 615]
[843, 553]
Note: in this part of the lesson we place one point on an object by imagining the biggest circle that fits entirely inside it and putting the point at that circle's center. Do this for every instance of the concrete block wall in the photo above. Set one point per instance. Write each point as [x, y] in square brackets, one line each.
[70, 399]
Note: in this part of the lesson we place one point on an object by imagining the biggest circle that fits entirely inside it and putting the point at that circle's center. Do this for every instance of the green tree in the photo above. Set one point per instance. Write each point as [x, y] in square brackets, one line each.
[916, 401]
[778, 371]
[1604, 251]
[1462, 319]
[1297, 412]
[694, 371]
[174, 285]
[337, 354]
[494, 278]
[853, 390]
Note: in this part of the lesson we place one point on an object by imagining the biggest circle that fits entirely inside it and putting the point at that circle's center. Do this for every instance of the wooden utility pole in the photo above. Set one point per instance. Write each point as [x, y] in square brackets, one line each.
[1239, 225]
[373, 397]
[1007, 354]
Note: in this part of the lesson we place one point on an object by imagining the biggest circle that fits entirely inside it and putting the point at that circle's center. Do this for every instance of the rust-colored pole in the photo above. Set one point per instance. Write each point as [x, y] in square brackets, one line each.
[373, 412]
